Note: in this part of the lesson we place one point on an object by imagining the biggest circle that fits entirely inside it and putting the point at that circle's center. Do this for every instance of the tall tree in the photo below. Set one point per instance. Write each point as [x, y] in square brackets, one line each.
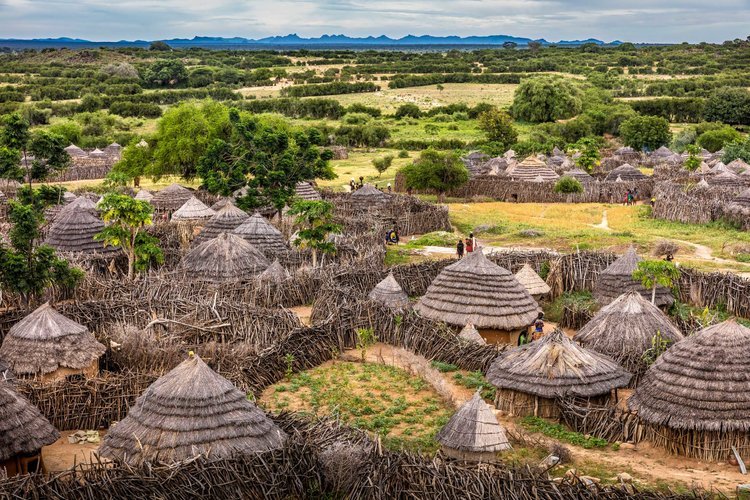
[135, 161]
[315, 220]
[645, 132]
[654, 273]
[546, 99]
[436, 171]
[498, 126]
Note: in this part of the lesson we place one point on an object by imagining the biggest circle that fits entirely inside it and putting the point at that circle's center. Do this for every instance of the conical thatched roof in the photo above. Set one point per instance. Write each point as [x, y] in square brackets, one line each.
[663, 152]
[23, 428]
[727, 179]
[703, 184]
[113, 149]
[718, 168]
[45, 340]
[368, 196]
[262, 234]
[305, 191]
[226, 257]
[75, 151]
[389, 293]
[555, 366]
[626, 172]
[579, 174]
[78, 204]
[472, 334]
[624, 330]
[144, 195]
[743, 199]
[97, 153]
[700, 383]
[226, 220]
[625, 150]
[193, 209]
[171, 197]
[738, 166]
[531, 168]
[220, 203]
[474, 290]
[474, 428]
[74, 231]
[531, 281]
[275, 272]
[618, 279]
[189, 411]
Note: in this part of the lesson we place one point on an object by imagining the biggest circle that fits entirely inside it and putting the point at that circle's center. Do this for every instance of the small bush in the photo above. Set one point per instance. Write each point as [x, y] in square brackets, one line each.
[568, 185]
[443, 367]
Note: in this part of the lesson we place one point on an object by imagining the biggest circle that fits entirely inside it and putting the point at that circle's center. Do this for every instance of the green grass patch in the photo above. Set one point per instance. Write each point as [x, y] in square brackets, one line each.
[443, 367]
[476, 380]
[557, 431]
[577, 300]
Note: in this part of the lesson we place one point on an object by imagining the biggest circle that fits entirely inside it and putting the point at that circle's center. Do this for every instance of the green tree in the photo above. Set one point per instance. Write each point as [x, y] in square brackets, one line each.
[408, 110]
[645, 132]
[714, 140]
[498, 127]
[437, 171]
[728, 105]
[127, 219]
[693, 161]
[382, 163]
[315, 220]
[159, 46]
[135, 161]
[568, 185]
[546, 99]
[28, 269]
[654, 273]
[165, 72]
[590, 156]
[736, 149]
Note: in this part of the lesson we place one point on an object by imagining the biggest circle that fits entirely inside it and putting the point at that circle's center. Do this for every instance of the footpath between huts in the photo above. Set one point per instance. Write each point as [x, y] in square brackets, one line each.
[647, 465]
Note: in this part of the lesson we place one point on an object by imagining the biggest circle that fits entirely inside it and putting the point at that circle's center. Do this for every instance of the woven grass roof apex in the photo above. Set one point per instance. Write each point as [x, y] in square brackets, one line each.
[46, 323]
[389, 293]
[474, 428]
[530, 280]
[193, 209]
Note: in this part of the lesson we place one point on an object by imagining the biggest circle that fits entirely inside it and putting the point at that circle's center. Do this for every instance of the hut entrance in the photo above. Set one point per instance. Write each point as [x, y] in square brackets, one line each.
[22, 464]
[500, 337]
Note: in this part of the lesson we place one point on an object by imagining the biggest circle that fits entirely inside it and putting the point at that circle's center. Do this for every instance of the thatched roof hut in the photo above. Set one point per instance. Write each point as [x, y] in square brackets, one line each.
[662, 152]
[45, 343]
[262, 234]
[618, 279]
[470, 333]
[77, 204]
[23, 433]
[275, 272]
[224, 258]
[718, 168]
[75, 152]
[695, 394]
[305, 191]
[493, 166]
[580, 175]
[190, 411]
[626, 172]
[532, 282]
[389, 293]
[738, 166]
[97, 153]
[624, 330]
[193, 210]
[74, 230]
[473, 433]
[531, 376]
[367, 197]
[743, 199]
[171, 198]
[529, 169]
[144, 195]
[113, 149]
[226, 220]
[727, 179]
[475, 290]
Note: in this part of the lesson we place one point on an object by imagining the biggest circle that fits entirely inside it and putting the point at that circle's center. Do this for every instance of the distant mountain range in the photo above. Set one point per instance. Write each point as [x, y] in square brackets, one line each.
[293, 40]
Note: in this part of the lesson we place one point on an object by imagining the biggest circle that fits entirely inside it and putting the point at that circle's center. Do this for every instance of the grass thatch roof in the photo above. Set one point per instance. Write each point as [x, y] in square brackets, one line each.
[368, 196]
[738, 166]
[389, 293]
[171, 197]
[75, 151]
[728, 179]
[23, 428]
[226, 257]
[626, 172]
[226, 220]
[305, 191]
[555, 366]
[45, 340]
[144, 195]
[743, 199]
[275, 272]
[624, 329]
[474, 290]
[190, 411]
[700, 383]
[662, 152]
[618, 279]
[73, 231]
[193, 209]
[262, 234]
[531, 281]
[531, 168]
[470, 333]
[474, 428]
[579, 175]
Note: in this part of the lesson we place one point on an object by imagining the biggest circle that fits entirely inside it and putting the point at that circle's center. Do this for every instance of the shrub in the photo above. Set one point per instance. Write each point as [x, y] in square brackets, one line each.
[714, 140]
[729, 105]
[546, 99]
[408, 110]
[568, 185]
[645, 132]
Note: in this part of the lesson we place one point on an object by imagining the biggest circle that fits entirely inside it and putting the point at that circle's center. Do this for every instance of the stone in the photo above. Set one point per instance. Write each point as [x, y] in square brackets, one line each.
[624, 478]
[550, 461]
[627, 446]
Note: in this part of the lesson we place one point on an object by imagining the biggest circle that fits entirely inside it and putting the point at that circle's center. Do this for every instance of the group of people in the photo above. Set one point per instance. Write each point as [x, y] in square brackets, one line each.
[538, 333]
[354, 185]
[630, 196]
[467, 246]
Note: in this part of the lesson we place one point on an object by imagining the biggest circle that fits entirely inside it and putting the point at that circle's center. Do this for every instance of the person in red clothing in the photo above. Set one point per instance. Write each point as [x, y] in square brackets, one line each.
[469, 245]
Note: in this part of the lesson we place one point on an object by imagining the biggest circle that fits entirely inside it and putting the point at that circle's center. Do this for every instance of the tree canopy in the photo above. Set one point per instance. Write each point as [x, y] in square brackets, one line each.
[728, 105]
[437, 171]
[546, 99]
[498, 127]
[645, 132]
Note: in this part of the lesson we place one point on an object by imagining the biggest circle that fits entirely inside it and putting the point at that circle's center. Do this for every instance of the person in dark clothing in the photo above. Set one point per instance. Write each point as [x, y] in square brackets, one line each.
[539, 326]
[460, 249]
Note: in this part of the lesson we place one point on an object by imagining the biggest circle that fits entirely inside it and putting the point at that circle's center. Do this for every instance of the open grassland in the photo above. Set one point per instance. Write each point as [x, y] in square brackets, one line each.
[387, 401]
[359, 164]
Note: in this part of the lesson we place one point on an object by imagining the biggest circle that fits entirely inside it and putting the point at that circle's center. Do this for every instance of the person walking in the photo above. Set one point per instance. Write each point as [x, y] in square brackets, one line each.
[460, 249]
[469, 246]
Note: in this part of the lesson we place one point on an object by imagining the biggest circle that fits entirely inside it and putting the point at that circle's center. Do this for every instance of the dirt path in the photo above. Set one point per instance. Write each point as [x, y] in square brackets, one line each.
[646, 464]
[604, 224]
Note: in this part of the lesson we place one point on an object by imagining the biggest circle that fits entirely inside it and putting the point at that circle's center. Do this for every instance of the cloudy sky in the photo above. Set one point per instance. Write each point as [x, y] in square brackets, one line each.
[631, 20]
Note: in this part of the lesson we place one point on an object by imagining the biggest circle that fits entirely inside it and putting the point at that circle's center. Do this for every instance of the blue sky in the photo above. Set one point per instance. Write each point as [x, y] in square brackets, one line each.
[633, 20]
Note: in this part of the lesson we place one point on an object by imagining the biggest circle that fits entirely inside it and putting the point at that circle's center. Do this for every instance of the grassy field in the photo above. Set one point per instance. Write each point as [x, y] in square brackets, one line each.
[401, 408]
[359, 164]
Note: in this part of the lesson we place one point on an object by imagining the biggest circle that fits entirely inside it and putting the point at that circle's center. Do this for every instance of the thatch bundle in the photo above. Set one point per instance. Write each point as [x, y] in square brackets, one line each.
[531, 168]
[473, 433]
[97, 153]
[275, 272]
[474, 290]
[550, 368]
[696, 393]
[578, 174]
[305, 191]
[224, 258]
[626, 173]
[470, 333]
[624, 330]
[74, 229]
[171, 198]
[226, 220]
[389, 293]
[190, 411]
[368, 197]
[532, 282]
[23, 428]
[257, 231]
[618, 279]
[144, 195]
[45, 341]
[193, 210]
